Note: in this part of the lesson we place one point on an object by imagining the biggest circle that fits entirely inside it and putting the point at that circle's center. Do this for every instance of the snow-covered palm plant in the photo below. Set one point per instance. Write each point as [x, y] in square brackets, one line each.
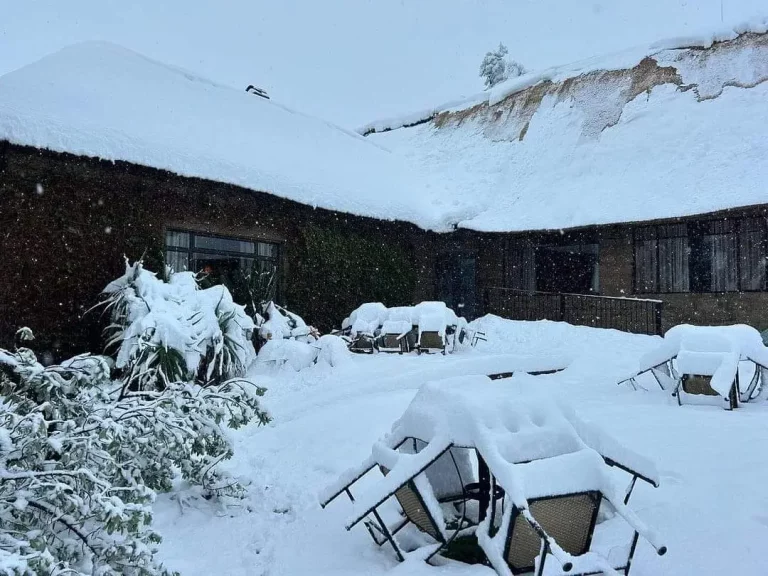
[174, 331]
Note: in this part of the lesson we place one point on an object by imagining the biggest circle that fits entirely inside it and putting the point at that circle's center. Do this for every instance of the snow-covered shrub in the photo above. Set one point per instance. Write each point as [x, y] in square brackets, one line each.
[496, 67]
[65, 507]
[174, 331]
[285, 351]
[333, 350]
[281, 323]
[81, 458]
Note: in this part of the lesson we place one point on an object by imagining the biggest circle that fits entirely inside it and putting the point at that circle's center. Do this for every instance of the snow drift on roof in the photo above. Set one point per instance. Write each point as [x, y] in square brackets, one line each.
[101, 100]
[680, 133]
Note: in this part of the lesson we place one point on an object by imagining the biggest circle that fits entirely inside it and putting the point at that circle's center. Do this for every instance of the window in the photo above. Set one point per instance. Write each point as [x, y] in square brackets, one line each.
[521, 266]
[223, 259]
[725, 255]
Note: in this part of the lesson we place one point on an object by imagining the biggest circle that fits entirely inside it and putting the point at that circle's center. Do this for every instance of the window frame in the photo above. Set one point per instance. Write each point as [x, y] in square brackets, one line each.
[191, 249]
[699, 230]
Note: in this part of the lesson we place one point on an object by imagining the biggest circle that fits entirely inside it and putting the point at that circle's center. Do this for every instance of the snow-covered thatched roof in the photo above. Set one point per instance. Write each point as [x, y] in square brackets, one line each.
[674, 129]
[101, 100]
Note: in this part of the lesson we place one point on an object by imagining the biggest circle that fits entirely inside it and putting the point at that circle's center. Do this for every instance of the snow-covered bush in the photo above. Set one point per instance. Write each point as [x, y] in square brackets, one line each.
[65, 507]
[281, 323]
[496, 67]
[81, 458]
[174, 331]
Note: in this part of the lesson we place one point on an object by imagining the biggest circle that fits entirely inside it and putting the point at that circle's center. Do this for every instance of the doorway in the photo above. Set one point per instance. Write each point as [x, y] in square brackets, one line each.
[456, 283]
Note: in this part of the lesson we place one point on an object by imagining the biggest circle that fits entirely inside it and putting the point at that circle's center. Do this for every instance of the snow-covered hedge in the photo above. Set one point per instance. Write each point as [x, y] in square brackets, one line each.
[174, 331]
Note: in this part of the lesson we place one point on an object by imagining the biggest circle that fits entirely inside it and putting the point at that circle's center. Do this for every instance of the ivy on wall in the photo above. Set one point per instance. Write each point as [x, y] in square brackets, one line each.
[334, 272]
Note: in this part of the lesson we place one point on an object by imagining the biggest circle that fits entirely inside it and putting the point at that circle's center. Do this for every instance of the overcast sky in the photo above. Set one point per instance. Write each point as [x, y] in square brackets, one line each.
[353, 61]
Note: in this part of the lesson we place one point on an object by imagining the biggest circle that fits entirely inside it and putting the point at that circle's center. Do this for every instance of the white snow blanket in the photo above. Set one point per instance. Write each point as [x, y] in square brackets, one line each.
[709, 351]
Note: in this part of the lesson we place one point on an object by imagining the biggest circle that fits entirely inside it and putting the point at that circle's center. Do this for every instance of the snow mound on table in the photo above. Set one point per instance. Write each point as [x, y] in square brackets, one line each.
[371, 316]
[101, 100]
[534, 447]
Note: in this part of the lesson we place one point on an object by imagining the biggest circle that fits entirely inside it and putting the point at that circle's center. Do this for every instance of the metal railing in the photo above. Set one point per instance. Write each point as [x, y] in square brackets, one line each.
[637, 315]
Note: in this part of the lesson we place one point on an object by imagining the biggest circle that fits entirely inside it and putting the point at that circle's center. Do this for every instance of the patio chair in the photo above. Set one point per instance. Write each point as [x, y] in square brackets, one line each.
[414, 511]
[363, 343]
[394, 336]
[432, 330]
[701, 385]
[567, 519]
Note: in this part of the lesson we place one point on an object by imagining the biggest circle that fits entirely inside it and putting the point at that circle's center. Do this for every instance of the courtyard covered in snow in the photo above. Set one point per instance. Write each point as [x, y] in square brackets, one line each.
[709, 506]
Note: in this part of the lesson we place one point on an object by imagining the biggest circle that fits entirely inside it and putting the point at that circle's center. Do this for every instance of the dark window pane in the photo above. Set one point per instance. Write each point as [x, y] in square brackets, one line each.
[752, 255]
[723, 261]
[521, 267]
[177, 239]
[224, 244]
[673, 265]
[178, 261]
[646, 265]
[266, 250]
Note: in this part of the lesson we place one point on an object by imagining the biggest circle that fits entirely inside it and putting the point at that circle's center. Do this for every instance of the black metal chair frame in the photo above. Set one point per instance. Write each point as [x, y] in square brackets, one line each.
[734, 397]
[354, 344]
[516, 512]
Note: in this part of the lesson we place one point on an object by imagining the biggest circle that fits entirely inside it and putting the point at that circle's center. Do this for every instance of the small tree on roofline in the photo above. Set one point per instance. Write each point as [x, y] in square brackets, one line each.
[496, 67]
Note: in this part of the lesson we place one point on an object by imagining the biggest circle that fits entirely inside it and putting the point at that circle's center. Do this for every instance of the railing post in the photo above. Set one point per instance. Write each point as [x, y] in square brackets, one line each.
[658, 307]
[562, 307]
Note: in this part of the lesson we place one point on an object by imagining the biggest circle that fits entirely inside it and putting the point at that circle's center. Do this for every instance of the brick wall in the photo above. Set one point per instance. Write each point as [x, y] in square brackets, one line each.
[67, 221]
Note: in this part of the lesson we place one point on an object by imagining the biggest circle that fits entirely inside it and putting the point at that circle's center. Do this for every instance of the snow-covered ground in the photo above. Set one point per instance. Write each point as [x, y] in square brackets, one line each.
[711, 508]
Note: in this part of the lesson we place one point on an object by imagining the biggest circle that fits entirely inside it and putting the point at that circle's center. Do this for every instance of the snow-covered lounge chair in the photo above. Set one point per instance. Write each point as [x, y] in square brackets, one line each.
[550, 467]
[393, 336]
[432, 333]
[698, 363]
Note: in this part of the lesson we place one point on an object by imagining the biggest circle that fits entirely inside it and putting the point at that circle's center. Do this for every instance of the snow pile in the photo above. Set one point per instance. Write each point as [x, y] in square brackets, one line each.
[157, 322]
[708, 351]
[282, 323]
[299, 355]
[533, 446]
[101, 100]
[610, 140]
[366, 319]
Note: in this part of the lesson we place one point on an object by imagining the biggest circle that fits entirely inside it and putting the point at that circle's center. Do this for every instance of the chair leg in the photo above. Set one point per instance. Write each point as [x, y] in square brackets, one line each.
[543, 553]
[631, 553]
[629, 490]
[389, 536]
